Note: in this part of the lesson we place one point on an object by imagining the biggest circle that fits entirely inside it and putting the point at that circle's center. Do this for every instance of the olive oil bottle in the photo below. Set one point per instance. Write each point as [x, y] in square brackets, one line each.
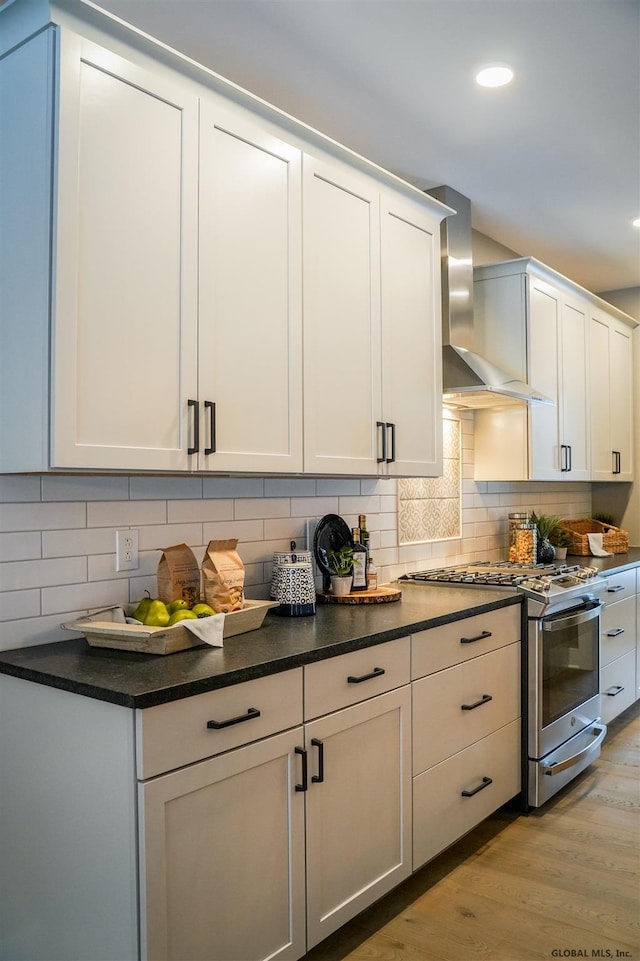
[359, 562]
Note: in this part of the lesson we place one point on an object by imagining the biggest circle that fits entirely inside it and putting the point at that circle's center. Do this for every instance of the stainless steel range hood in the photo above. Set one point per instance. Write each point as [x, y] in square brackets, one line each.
[468, 379]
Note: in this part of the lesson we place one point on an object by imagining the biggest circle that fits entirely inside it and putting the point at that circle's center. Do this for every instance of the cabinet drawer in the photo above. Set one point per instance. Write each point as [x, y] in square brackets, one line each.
[441, 813]
[619, 585]
[450, 644]
[171, 735]
[460, 705]
[617, 686]
[350, 678]
[618, 629]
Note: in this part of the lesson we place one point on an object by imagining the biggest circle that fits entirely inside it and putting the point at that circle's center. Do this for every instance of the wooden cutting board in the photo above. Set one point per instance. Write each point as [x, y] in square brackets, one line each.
[383, 595]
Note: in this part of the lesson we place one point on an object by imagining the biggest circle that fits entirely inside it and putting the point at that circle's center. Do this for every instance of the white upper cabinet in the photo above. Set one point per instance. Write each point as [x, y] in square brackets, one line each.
[153, 272]
[411, 339]
[372, 332]
[250, 341]
[612, 382]
[542, 327]
[124, 346]
[558, 368]
[342, 389]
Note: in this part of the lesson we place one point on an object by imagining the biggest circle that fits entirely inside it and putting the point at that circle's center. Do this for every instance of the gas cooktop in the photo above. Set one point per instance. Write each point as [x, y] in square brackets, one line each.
[549, 584]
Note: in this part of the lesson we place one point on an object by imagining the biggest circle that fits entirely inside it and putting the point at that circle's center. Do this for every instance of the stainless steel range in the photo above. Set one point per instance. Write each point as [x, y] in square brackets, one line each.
[562, 667]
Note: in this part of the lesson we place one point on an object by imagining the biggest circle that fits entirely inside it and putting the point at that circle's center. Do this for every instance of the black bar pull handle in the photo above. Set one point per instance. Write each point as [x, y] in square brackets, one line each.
[211, 407]
[218, 725]
[319, 777]
[615, 589]
[570, 464]
[392, 428]
[563, 457]
[376, 672]
[478, 637]
[196, 426]
[305, 770]
[486, 781]
[615, 690]
[615, 632]
[381, 427]
[471, 707]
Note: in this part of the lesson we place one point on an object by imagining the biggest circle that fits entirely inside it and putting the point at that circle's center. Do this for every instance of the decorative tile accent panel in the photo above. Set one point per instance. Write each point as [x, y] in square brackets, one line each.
[430, 508]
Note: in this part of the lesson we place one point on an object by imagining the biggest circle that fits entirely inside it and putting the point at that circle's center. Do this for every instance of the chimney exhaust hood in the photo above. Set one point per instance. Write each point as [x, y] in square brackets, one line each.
[469, 380]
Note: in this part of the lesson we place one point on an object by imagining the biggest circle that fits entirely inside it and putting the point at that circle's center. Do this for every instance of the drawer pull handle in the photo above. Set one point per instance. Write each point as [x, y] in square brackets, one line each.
[486, 781]
[380, 426]
[319, 777]
[614, 590]
[376, 672]
[615, 632]
[615, 690]
[218, 725]
[478, 637]
[471, 707]
[305, 777]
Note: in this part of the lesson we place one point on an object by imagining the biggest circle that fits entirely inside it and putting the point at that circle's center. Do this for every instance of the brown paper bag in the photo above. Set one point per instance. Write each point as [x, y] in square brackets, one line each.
[223, 576]
[178, 575]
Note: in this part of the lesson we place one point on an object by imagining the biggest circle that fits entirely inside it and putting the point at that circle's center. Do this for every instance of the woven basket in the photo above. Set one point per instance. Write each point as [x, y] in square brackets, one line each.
[614, 540]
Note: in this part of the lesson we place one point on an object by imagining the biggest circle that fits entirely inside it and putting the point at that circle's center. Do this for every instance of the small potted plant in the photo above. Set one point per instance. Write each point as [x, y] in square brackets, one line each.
[560, 537]
[341, 565]
[546, 525]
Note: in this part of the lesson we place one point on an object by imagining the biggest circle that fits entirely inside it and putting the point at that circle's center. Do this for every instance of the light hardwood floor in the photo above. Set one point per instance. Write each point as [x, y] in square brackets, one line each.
[560, 882]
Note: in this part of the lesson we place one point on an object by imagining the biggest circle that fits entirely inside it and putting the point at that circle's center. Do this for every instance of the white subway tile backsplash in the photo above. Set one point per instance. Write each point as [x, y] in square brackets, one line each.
[126, 513]
[251, 530]
[42, 573]
[232, 487]
[158, 536]
[57, 533]
[185, 512]
[91, 595]
[267, 507]
[14, 488]
[61, 487]
[20, 546]
[289, 487]
[86, 540]
[17, 604]
[165, 488]
[41, 517]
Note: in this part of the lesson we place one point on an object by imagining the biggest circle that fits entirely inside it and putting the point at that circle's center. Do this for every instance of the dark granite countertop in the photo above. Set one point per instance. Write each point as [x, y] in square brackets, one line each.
[144, 680]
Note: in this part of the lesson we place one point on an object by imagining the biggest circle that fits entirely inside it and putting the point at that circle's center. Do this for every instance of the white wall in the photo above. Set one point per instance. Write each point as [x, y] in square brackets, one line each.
[57, 533]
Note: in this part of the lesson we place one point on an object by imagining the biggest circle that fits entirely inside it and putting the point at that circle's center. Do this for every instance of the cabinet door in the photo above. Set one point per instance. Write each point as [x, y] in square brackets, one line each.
[411, 339]
[341, 320]
[359, 812]
[622, 401]
[124, 328]
[544, 365]
[575, 461]
[611, 385]
[250, 347]
[222, 857]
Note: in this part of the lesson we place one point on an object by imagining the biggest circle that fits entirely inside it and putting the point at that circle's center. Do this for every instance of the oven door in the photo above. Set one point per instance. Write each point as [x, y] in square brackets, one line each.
[564, 676]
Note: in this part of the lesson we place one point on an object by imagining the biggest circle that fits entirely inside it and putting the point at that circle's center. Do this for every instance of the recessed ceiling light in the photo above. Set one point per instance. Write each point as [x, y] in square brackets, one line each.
[494, 75]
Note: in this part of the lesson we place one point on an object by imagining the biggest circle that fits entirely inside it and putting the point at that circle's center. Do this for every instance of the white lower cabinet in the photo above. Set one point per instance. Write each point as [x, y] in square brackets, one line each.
[618, 645]
[223, 857]
[466, 686]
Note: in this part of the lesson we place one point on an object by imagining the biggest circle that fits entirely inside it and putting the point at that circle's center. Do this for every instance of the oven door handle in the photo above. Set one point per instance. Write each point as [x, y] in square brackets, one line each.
[573, 620]
[599, 732]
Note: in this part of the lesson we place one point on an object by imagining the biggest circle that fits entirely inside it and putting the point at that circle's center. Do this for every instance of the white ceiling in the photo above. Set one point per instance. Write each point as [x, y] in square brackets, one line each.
[551, 163]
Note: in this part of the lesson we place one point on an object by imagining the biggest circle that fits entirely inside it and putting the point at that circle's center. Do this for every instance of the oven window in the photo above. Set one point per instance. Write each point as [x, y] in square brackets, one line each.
[570, 667]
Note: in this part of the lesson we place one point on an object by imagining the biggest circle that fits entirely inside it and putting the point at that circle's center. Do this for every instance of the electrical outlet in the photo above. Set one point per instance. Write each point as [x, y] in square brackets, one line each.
[127, 550]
